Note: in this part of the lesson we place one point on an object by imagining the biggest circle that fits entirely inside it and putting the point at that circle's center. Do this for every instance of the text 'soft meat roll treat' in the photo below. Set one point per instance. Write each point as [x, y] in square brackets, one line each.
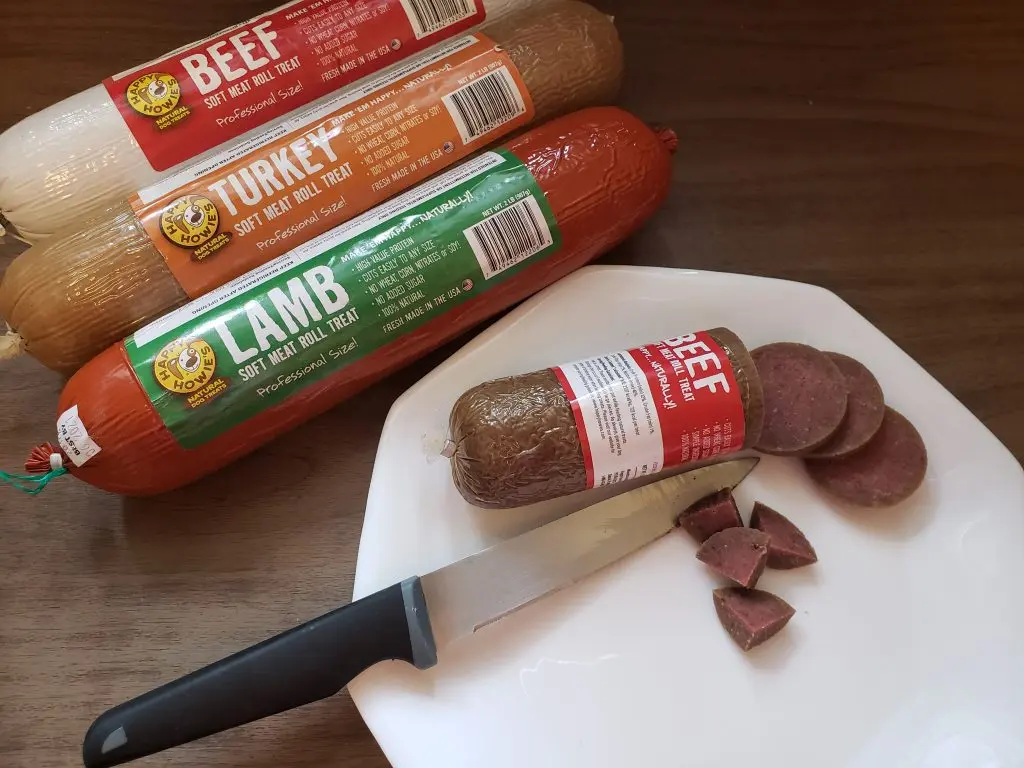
[536, 436]
[219, 377]
[90, 286]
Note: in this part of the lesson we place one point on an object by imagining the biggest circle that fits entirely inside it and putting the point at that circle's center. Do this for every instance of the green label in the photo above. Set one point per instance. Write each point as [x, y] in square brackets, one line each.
[266, 336]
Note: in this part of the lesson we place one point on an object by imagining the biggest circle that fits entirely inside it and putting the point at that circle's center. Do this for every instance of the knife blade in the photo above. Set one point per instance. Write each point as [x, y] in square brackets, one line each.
[408, 621]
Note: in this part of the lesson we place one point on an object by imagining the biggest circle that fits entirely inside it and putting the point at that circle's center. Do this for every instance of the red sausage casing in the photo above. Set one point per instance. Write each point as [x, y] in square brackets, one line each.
[603, 173]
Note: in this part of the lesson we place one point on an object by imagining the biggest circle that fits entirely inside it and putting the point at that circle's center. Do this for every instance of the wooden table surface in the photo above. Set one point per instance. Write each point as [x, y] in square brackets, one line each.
[875, 148]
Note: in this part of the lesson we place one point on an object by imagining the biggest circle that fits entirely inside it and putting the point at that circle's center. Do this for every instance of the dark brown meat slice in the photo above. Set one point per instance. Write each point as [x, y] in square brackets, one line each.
[751, 616]
[711, 515]
[864, 410]
[805, 396]
[787, 545]
[738, 554]
[885, 472]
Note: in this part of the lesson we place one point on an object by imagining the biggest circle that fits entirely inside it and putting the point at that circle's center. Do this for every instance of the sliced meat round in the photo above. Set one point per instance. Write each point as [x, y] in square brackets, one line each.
[864, 410]
[738, 554]
[881, 474]
[787, 545]
[805, 397]
[710, 515]
[751, 616]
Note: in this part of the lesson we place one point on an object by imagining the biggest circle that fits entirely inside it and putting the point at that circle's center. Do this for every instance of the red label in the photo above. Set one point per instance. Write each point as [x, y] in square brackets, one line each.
[643, 410]
[213, 91]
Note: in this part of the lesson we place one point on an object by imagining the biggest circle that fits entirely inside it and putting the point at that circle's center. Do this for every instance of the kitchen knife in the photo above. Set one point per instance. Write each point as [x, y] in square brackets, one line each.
[407, 621]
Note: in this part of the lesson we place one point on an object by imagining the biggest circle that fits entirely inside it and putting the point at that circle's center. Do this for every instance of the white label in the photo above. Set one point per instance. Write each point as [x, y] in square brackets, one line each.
[485, 104]
[509, 237]
[339, 235]
[428, 16]
[614, 400]
[74, 437]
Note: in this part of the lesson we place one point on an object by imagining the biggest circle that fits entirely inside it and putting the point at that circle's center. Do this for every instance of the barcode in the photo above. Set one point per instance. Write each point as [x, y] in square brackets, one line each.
[485, 104]
[428, 16]
[510, 236]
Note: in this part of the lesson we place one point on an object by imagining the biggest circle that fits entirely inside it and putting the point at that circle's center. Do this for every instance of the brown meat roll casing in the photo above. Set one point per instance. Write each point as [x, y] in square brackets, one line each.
[514, 440]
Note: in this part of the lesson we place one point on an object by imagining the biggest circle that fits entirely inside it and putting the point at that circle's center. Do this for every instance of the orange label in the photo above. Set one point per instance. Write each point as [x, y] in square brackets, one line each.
[219, 219]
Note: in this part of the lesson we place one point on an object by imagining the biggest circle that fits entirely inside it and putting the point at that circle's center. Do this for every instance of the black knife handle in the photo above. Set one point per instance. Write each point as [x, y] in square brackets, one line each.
[300, 666]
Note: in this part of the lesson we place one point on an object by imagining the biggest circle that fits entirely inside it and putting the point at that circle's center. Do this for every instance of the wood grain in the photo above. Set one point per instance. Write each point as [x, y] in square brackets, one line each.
[874, 148]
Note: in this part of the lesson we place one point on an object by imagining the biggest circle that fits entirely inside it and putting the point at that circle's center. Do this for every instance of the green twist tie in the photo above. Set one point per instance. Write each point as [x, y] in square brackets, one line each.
[31, 484]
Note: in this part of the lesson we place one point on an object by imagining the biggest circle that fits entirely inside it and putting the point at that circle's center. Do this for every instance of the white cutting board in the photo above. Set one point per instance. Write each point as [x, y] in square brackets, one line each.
[907, 649]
